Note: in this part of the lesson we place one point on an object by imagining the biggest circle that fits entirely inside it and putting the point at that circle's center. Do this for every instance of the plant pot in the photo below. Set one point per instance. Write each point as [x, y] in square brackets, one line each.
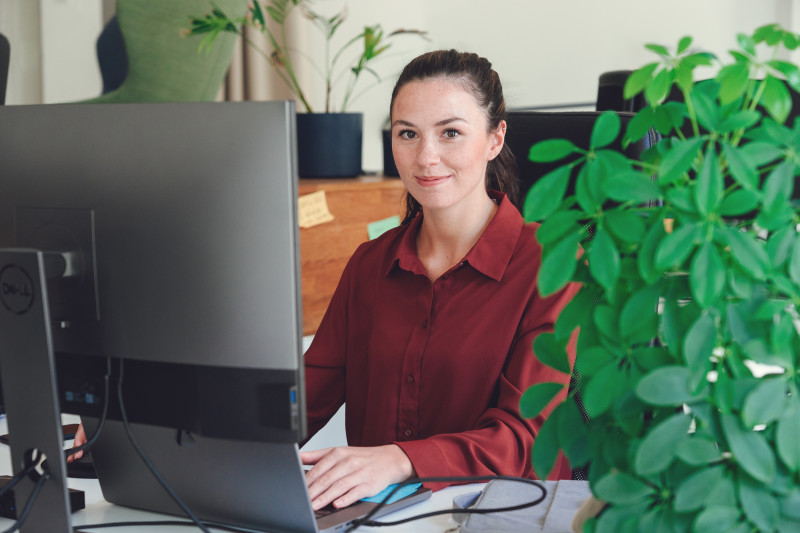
[389, 168]
[329, 144]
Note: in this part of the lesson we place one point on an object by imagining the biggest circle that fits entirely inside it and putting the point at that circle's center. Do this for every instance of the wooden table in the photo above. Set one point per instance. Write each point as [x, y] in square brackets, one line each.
[325, 249]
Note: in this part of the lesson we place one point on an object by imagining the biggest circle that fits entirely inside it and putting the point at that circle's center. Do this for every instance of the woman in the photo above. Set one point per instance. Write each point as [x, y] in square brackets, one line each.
[428, 337]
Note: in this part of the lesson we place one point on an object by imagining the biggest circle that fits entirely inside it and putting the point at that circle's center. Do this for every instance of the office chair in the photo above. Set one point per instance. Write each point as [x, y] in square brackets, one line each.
[5, 59]
[163, 65]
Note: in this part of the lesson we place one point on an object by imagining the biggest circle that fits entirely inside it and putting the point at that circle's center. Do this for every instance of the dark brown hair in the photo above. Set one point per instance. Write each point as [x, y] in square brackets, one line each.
[476, 76]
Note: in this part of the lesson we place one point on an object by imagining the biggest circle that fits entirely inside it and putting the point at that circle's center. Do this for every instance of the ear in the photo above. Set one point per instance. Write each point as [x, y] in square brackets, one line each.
[498, 139]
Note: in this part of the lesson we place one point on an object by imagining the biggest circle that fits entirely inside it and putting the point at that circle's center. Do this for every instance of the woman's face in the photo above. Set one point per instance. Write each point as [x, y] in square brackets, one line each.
[441, 144]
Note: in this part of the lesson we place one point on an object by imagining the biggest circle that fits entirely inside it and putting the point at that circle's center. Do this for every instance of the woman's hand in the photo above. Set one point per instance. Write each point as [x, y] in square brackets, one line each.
[80, 440]
[345, 475]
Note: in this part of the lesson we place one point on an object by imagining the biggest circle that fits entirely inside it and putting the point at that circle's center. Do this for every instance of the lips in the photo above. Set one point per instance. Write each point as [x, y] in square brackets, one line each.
[430, 181]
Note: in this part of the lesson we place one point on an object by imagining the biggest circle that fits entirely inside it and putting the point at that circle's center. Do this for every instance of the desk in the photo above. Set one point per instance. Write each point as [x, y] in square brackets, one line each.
[100, 511]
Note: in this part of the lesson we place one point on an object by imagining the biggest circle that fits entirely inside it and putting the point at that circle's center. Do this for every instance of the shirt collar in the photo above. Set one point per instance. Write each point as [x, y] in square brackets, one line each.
[490, 255]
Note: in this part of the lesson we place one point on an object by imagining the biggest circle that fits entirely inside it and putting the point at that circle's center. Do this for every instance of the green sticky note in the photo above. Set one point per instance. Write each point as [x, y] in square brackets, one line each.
[377, 228]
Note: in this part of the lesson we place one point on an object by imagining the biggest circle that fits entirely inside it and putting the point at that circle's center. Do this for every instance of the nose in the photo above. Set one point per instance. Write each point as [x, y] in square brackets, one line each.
[427, 153]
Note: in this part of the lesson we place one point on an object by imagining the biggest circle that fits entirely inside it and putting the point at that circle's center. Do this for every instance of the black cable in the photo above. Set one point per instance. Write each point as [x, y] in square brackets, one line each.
[149, 464]
[17, 478]
[29, 504]
[366, 521]
[90, 442]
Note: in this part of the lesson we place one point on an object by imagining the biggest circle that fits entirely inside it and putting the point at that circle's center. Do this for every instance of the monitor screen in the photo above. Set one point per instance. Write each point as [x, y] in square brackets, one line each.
[176, 227]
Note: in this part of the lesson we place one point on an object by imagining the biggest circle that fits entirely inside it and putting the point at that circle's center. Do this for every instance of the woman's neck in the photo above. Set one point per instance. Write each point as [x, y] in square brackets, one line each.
[447, 235]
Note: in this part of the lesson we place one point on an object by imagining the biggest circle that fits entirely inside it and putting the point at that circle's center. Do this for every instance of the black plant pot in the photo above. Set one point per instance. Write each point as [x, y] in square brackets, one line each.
[389, 167]
[329, 144]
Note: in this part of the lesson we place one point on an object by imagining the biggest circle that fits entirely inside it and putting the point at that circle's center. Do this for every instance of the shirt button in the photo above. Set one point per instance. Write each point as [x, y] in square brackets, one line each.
[408, 433]
[410, 379]
[425, 324]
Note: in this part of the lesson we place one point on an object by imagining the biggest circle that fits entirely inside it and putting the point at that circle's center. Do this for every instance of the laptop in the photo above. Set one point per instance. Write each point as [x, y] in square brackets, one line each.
[256, 485]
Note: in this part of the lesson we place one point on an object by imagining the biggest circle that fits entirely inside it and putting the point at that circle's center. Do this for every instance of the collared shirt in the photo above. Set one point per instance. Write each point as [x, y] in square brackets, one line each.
[439, 367]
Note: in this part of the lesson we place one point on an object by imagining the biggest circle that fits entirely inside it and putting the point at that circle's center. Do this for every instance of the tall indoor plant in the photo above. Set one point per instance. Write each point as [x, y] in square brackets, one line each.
[685, 406]
[342, 65]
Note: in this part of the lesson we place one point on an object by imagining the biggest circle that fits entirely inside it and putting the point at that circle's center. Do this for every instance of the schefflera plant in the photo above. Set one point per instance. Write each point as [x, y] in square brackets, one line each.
[685, 408]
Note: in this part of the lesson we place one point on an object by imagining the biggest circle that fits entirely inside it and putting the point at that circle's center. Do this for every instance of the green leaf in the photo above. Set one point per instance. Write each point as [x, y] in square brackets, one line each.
[596, 397]
[675, 247]
[592, 360]
[638, 80]
[647, 253]
[657, 48]
[551, 150]
[787, 435]
[545, 446]
[739, 120]
[716, 519]
[707, 276]
[739, 202]
[619, 488]
[759, 505]
[698, 347]
[679, 159]
[657, 90]
[558, 225]
[708, 189]
[576, 313]
[684, 44]
[698, 451]
[546, 195]
[706, 110]
[765, 403]
[749, 253]
[605, 130]
[750, 450]
[733, 81]
[780, 245]
[669, 116]
[558, 266]
[746, 43]
[625, 225]
[696, 489]
[537, 397]
[790, 71]
[552, 352]
[665, 386]
[639, 125]
[639, 315]
[776, 99]
[794, 261]
[779, 186]
[631, 187]
[742, 170]
[604, 262]
[584, 188]
[657, 449]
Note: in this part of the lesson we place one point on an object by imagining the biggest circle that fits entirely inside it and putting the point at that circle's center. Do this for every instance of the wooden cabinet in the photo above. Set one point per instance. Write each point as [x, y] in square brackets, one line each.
[325, 249]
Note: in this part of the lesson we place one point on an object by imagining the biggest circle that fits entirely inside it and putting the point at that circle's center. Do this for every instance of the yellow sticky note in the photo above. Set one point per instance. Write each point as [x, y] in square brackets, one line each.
[379, 227]
[312, 210]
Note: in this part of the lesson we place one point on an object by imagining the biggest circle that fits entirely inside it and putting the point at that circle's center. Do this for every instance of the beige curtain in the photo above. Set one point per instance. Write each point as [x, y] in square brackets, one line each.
[251, 77]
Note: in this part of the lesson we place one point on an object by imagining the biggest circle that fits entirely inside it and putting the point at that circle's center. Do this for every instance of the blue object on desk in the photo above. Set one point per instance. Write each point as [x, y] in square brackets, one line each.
[401, 493]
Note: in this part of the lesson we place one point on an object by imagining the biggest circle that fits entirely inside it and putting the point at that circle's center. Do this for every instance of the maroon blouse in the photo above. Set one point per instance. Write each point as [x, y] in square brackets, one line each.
[438, 368]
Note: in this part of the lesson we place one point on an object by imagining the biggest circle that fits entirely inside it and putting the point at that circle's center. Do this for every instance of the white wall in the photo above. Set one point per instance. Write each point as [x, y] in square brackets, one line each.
[546, 51]
[53, 56]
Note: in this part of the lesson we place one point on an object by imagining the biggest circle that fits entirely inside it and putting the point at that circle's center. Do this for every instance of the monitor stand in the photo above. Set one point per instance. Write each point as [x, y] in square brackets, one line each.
[29, 387]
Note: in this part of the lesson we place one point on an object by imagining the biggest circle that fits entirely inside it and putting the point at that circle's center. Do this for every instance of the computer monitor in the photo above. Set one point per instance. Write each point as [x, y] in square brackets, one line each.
[176, 224]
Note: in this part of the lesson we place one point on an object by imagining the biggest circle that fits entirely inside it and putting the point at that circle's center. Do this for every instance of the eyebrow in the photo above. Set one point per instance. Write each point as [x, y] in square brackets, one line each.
[444, 122]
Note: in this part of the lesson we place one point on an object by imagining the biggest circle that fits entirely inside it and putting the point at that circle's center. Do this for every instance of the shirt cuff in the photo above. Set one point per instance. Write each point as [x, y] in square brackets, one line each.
[427, 460]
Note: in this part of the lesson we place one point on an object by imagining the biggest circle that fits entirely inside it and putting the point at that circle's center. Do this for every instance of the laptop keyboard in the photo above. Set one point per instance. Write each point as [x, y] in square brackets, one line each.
[325, 511]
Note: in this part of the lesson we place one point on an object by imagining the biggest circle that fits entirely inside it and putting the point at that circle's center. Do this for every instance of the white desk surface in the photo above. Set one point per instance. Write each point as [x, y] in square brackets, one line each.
[99, 511]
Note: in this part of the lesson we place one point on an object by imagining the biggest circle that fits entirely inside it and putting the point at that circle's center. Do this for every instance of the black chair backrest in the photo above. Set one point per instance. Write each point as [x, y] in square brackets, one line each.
[111, 56]
[5, 59]
[526, 128]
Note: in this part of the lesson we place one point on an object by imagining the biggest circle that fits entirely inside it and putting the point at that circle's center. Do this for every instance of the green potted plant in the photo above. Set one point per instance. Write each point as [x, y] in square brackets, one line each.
[329, 143]
[685, 407]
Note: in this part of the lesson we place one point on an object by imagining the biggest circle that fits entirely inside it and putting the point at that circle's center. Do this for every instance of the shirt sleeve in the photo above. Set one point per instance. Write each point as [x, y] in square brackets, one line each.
[501, 441]
[325, 360]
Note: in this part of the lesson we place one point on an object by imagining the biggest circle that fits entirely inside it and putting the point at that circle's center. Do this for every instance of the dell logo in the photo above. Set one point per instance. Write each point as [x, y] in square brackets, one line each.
[16, 289]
